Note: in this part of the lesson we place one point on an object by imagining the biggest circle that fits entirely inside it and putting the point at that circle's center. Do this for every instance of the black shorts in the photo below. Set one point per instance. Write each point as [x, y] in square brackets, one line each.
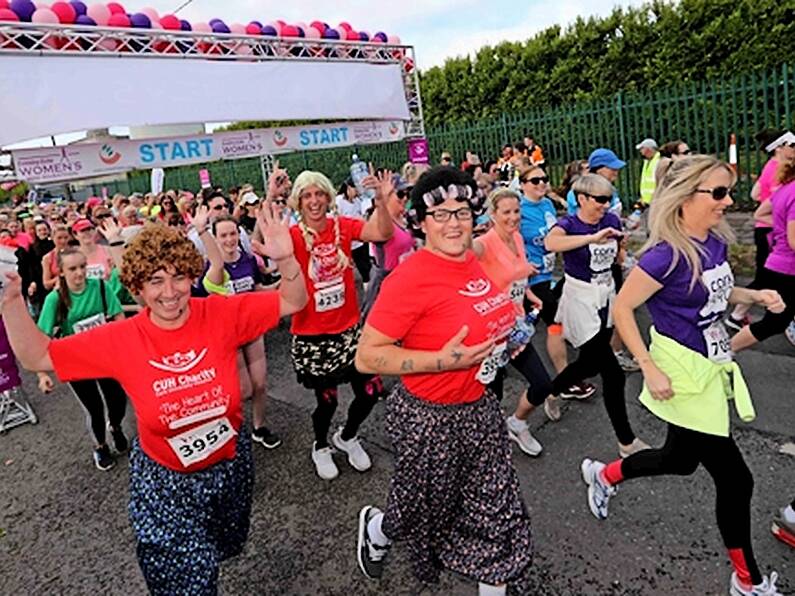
[549, 296]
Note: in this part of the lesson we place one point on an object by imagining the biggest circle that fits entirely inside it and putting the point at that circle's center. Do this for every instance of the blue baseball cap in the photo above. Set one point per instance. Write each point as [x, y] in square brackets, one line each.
[604, 158]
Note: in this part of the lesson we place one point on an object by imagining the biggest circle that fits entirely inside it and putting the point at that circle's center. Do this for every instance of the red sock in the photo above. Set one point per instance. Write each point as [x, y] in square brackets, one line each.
[737, 558]
[612, 474]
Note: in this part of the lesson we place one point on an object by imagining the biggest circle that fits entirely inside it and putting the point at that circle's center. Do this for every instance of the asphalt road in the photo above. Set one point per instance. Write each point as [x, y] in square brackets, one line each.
[64, 528]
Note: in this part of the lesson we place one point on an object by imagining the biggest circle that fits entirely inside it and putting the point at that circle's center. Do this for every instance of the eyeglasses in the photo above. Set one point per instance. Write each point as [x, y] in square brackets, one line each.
[217, 208]
[278, 201]
[601, 199]
[402, 194]
[718, 193]
[686, 152]
[536, 180]
[444, 215]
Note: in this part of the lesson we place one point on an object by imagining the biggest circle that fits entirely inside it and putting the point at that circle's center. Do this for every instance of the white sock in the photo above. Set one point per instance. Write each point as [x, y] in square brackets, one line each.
[489, 590]
[789, 514]
[515, 424]
[374, 531]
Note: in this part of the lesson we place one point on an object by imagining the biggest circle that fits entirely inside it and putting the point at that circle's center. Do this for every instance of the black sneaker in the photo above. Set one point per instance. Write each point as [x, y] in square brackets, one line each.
[103, 459]
[266, 438]
[120, 442]
[578, 391]
[370, 555]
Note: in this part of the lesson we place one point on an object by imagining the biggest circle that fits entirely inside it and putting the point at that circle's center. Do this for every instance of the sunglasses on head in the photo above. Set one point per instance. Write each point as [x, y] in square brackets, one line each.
[718, 193]
[601, 199]
[536, 180]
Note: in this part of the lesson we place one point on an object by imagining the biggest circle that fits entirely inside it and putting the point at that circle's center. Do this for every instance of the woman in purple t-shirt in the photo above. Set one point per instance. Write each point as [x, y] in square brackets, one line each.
[684, 278]
[589, 241]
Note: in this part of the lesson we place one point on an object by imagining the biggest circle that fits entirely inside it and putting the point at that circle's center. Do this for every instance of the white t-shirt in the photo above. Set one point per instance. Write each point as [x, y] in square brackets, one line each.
[349, 208]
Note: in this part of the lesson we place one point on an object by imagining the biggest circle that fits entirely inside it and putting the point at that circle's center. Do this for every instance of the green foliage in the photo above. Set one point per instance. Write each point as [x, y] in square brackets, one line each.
[631, 50]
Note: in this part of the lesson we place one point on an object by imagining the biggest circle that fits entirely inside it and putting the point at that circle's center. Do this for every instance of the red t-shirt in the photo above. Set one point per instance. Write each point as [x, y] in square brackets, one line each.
[425, 301]
[333, 305]
[183, 383]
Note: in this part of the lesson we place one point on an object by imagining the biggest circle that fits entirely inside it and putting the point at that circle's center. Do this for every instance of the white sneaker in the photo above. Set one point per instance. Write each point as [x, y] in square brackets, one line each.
[520, 434]
[627, 362]
[599, 493]
[766, 588]
[357, 456]
[552, 408]
[789, 332]
[324, 462]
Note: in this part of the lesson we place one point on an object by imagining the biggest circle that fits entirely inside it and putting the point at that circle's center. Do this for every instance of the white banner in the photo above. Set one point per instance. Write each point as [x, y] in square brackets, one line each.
[53, 164]
[46, 95]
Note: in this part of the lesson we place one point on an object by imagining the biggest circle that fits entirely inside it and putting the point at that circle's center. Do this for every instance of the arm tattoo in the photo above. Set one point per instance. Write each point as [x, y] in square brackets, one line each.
[380, 362]
[407, 365]
[439, 365]
[457, 355]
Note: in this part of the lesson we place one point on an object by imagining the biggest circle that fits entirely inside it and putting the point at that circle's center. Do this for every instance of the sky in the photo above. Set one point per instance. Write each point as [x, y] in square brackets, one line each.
[438, 29]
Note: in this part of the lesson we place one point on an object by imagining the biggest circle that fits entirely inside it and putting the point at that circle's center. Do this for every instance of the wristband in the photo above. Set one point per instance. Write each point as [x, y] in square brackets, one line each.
[116, 243]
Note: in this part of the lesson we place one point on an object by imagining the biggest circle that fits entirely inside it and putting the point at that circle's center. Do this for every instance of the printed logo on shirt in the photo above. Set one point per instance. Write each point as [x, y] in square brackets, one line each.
[603, 255]
[325, 264]
[179, 362]
[551, 221]
[476, 288]
[719, 282]
[491, 304]
[166, 385]
[240, 286]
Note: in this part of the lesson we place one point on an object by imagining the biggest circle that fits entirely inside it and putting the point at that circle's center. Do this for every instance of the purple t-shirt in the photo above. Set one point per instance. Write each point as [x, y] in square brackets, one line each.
[590, 263]
[244, 275]
[782, 257]
[691, 318]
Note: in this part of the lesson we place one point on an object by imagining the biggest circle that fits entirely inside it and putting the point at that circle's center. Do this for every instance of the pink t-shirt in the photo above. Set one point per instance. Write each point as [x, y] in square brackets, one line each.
[767, 185]
[782, 257]
[508, 270]
[397, 248]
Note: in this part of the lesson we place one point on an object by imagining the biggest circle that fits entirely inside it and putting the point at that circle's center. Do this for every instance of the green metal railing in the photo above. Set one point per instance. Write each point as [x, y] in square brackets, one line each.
[704, 114]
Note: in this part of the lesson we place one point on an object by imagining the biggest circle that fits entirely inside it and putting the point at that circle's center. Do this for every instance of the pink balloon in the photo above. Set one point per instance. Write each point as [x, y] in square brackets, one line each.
[344, 25]
[393, 40]
[100, 13]
[302, 25]
[278, 26]
[119, 19]
[289, 31]
[6, 14]
[312, 33]
[151, 13]
[237, 28]
[116, 8]
[352, 35]
[44, 15]
[253, 29]
[65, 11]
[202, 28]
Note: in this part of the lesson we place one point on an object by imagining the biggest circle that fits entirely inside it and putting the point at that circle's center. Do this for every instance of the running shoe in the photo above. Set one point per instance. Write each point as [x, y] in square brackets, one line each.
[120, 442]
[635, 446]
[737, 324]
[324, 462]
[369, 554]
[103, 459]
[627, 362]
[357, 456]
[552, 408]
[519, 433]
[599, 492]
[265, 437]
[766, 588]
[578, 391]
[783, 529]
[789, 333]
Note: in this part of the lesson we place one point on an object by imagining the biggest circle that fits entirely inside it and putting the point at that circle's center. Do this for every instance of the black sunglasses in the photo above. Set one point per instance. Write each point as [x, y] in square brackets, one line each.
[688, 152]
[536, 180]
[103, 215]
[402, 194]
[601, 199]
[218, 208]
[718, 193]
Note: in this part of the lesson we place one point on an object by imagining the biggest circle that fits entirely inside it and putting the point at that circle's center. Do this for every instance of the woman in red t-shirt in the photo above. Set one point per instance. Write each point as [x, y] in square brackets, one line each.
[191, 472]
[441, 324]
[325, 332]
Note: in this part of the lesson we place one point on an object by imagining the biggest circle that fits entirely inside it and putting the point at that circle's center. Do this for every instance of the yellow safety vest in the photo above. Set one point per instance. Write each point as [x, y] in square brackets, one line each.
[647, 180]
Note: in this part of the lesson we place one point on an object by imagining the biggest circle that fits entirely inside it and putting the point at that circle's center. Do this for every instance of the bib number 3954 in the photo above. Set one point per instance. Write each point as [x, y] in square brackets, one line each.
[201, 442]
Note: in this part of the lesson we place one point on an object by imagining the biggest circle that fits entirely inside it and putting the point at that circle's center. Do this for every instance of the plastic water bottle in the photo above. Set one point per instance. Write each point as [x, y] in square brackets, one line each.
[633, 221]
[359, 172]
[523, 331]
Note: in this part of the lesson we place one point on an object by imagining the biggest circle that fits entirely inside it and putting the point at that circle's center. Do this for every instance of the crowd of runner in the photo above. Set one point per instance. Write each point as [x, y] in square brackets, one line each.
[459, 263]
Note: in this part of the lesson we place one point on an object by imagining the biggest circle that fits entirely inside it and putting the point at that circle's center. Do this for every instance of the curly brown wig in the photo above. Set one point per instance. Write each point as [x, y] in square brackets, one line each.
[158, 247]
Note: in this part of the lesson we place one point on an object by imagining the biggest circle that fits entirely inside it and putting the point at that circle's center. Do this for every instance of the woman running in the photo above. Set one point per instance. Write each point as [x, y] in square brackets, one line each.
[684, 278]
[191, 471]
[98, 258]
[589, 243]
[326, 331]
[501, 253]
[232, 271]
[42, 245]
[78, 305]
[454, 495]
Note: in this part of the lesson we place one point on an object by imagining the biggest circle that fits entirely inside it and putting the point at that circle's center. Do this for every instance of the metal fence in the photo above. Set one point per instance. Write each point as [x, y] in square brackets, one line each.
[704, 114]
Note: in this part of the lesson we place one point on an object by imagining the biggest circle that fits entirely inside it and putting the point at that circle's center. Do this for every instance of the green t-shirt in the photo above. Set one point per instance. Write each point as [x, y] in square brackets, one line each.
[85, 312]
[115, 285]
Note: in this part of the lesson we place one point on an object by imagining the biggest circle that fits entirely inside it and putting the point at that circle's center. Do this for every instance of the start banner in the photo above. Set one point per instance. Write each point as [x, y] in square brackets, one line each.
[71, 162]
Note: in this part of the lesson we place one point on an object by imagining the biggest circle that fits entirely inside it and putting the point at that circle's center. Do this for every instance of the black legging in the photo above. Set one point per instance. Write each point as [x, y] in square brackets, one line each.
[596, 357]
[361, 257]
[773, 324]
[529, 364]
[762, 252]
[681, 454]
[366, 391]
[88, 393]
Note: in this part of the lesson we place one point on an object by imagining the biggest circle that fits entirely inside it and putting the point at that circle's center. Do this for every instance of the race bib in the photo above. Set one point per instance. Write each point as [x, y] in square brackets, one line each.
[605, 278]
[240, 286]
[95, 271]
[89, 323]
[201, 442]
[488, 368]
[603, 255]
[516, 291]
[549, 262]
[330, 298]
[718, 343]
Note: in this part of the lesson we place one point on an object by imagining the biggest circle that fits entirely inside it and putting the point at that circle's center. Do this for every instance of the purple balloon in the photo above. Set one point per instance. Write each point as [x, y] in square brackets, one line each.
[140, 21]
[220, 27]
[363, 36]
[380, 35]
[212, 22]
[80, 8]
[257, 23]
[301, 32]
[84, 19]
[331, 34]
[23, 8]
[185, 25]
[269, 30]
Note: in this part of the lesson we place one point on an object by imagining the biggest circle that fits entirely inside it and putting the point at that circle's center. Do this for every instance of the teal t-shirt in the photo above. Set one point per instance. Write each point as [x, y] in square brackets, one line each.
[85, 311]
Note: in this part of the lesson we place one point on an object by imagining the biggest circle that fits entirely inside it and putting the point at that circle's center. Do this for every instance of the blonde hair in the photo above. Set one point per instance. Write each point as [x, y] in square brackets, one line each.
[666, 223]
[592, 184]
[304, 180]
[495, 196]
